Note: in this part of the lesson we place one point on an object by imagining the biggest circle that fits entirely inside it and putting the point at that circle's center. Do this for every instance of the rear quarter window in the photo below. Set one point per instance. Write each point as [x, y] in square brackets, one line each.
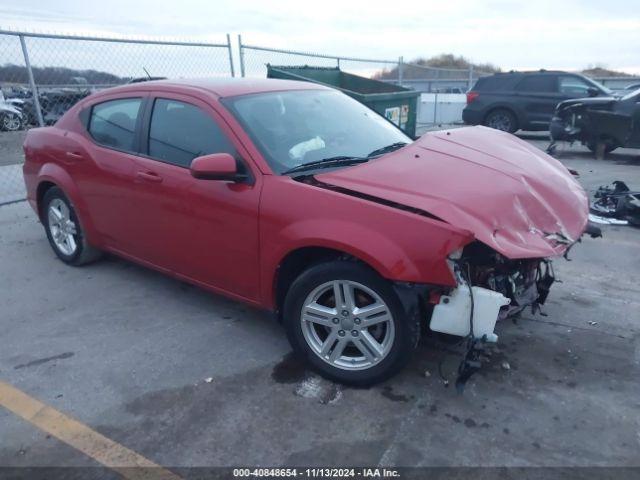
[496, 83]
[113, 123]
[538, 83]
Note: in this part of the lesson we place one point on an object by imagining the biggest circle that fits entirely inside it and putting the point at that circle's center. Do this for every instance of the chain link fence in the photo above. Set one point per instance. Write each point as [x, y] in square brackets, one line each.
[42, 76]
[254, 60]
[443, 88]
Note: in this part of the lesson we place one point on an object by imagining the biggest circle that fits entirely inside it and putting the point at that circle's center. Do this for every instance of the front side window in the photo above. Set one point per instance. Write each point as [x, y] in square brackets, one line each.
[538, 84]
[180, 132]
[571, 85]
[113, 123]
[293, 128]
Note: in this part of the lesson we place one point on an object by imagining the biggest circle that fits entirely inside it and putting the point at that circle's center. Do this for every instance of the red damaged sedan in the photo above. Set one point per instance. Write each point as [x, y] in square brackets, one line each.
[297, 199]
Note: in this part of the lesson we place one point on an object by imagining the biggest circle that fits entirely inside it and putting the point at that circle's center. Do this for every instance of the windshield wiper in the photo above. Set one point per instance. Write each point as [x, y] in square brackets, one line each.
[344, 159]
[326, 163]
[387, 149]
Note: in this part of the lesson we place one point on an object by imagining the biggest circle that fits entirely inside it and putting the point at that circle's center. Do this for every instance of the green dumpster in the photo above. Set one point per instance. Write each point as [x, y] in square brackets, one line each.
[398, 104]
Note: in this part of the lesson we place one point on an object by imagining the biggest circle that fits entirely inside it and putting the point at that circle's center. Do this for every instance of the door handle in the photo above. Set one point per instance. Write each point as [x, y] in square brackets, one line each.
[149, 176]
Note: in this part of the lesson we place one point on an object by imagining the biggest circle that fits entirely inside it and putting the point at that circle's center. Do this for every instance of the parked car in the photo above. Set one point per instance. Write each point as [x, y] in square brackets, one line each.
[450, 90]
[11, 118]
[524, 100]
[295, 198]
[54, 101]
[610, 122]
[633, 87]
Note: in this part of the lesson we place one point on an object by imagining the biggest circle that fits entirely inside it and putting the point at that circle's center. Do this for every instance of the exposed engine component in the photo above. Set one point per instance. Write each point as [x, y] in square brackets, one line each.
[490, 287]
[524, 282]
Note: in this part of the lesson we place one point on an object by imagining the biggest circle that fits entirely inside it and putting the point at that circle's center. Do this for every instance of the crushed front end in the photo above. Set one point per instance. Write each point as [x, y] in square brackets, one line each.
[589, 121]
[491, 287]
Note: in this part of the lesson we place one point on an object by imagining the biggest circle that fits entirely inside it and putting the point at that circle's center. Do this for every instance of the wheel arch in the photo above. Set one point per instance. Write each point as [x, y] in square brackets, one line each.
[520, 120]
[299, 259]
[43, 187]
[52, 175]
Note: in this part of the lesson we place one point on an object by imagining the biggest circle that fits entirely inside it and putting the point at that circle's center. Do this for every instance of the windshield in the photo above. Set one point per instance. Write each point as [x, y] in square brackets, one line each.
[297, 127]
[606, 90]
[632, 94]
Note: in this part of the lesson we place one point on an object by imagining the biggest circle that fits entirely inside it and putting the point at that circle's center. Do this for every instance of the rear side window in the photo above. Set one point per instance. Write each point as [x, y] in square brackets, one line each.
[538, 83]
[113, 123]
[180, 132]
[496, 83]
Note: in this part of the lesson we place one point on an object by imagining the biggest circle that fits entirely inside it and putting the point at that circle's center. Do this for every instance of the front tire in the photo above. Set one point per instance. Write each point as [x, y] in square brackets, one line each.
[64, 231]
[501, 119]
[348, 323]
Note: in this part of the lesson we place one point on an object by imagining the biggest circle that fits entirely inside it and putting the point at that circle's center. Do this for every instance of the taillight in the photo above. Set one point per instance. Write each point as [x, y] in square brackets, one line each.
[471, 96]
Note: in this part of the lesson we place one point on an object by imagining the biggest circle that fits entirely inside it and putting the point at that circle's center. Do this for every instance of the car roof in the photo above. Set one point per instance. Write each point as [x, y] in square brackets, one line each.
[222, 87]
[534, 72]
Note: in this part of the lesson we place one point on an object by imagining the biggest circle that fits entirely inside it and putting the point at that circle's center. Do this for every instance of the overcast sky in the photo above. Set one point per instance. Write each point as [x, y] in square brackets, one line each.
[565, 34]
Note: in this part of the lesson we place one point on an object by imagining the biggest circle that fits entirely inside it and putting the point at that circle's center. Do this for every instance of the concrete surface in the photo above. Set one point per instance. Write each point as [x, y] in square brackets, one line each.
[11, 184]
[11, 147]
[126, 350]
[11, 160]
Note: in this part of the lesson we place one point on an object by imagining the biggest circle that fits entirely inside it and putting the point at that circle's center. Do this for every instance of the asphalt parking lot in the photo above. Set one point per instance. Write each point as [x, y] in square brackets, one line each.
[186, 378]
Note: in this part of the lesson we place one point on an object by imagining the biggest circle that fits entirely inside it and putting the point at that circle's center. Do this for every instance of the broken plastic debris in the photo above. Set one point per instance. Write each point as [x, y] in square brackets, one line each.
[506, 365]
[616, 205]
[208, 380]
[592, 323]
[606, 220]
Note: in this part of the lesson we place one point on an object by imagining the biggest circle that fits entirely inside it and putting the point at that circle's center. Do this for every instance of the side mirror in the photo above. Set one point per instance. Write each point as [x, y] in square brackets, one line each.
[593, 92]
[217, 166]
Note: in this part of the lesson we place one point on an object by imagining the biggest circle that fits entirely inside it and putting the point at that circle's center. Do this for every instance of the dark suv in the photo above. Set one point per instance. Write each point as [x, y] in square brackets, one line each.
[524, 100]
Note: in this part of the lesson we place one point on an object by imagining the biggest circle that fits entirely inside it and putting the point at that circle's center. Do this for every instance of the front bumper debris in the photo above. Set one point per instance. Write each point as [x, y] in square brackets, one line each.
[452, 315]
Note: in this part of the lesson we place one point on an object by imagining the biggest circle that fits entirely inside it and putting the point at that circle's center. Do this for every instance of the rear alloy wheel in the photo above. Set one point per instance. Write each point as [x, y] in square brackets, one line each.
[501, 119]
[349, 323]
[63, 229]
[10, 121]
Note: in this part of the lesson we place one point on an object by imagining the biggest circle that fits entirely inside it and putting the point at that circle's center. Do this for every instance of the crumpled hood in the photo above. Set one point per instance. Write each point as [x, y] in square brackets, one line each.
[600, 102]
[511, 196]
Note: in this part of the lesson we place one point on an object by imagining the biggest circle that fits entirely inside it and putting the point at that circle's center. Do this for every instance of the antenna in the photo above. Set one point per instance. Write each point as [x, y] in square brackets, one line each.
[145, 71]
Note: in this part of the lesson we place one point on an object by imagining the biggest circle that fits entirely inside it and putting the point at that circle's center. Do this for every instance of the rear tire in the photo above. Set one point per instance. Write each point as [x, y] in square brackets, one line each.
[64, 231]
[363, 338]
[608, 148]
[501, 119]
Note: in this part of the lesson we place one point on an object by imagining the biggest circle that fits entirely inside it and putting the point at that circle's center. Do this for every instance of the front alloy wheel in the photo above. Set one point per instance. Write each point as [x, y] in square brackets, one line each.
[348, 323]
